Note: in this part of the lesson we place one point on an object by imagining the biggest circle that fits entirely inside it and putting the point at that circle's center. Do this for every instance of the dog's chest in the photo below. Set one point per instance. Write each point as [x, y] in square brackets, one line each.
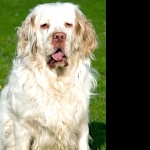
[61, 113]
[62, 100]
[64, 105]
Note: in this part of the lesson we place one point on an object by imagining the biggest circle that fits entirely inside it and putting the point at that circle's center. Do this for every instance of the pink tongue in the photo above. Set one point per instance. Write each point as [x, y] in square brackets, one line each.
[58, 56]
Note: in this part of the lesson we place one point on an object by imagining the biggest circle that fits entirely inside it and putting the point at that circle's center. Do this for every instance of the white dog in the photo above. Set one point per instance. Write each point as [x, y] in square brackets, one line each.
[45, 104]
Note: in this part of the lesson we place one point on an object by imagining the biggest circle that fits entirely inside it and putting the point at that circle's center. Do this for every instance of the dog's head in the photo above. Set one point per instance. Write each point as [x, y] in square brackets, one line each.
[57, 31]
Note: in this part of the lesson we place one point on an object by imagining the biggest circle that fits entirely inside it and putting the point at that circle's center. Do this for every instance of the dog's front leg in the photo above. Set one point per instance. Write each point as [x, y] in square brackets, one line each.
[84, 137]
[13, 136]
[22, 138]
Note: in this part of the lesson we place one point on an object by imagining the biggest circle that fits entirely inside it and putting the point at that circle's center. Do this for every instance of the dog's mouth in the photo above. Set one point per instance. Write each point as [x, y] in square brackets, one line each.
[58, 59]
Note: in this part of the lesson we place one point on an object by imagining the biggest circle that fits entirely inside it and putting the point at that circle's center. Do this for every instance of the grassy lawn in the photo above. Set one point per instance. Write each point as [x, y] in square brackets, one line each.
[11, 16]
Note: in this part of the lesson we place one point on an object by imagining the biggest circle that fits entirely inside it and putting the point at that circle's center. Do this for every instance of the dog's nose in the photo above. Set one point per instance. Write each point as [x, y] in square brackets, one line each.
[59, 36]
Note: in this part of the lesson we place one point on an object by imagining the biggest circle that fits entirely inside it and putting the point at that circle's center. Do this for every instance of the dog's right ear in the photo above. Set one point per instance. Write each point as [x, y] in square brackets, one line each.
[26, 37]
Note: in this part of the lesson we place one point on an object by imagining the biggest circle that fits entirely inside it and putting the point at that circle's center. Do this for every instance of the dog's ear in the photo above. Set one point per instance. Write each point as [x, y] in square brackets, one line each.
[26, 37]
[85, 33]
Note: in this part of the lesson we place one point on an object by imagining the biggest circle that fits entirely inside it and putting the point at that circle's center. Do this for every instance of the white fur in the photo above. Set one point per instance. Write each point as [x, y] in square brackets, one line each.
[43, 108]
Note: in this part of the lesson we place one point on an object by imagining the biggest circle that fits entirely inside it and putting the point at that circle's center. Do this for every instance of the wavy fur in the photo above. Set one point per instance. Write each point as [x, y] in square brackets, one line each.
[43, 108]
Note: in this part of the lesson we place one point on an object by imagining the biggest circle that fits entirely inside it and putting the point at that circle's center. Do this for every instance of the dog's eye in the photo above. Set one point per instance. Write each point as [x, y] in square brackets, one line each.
[44, 26]
[68, 25]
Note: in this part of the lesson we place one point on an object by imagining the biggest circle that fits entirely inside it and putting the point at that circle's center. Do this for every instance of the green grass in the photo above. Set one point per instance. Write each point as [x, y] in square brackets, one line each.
[11, 16]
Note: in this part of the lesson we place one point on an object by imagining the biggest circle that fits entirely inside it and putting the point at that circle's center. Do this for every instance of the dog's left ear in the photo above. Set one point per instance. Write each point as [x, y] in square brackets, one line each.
[85, 33]
[26, 37]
